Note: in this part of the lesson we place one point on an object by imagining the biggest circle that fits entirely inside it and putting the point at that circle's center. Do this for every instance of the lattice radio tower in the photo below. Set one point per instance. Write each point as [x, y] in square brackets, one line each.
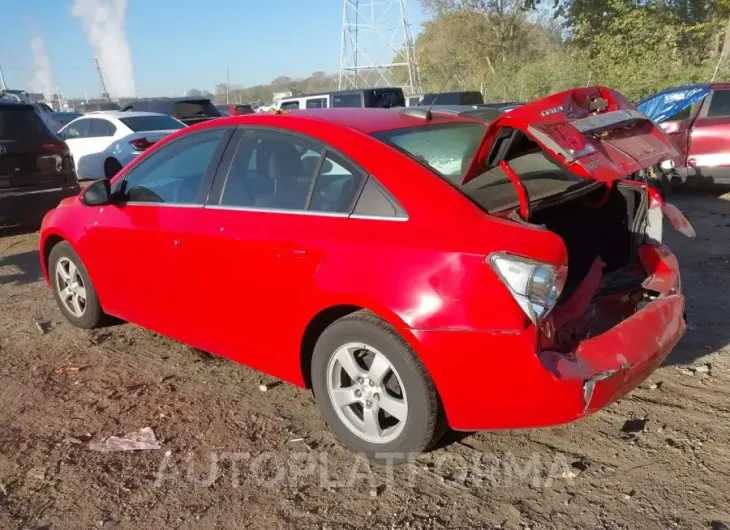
[377, 46]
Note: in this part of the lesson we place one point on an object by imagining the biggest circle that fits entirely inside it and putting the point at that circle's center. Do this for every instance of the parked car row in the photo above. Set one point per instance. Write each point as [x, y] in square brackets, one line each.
[528, 253]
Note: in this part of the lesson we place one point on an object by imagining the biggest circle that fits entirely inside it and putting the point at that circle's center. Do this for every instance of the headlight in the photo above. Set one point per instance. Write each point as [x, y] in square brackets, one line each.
[535, 286]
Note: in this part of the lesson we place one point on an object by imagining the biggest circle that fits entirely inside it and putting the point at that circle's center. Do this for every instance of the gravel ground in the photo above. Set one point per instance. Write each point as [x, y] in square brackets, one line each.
[233, 456]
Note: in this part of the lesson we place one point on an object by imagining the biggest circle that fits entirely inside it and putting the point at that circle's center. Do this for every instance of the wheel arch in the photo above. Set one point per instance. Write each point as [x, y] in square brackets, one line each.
[50, 241]
[330, 314]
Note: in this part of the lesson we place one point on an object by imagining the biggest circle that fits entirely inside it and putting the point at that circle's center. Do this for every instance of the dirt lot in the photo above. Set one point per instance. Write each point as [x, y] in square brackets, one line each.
[233, 456]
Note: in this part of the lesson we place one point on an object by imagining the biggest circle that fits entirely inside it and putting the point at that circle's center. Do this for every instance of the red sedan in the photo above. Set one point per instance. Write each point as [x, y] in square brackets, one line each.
[415, 269]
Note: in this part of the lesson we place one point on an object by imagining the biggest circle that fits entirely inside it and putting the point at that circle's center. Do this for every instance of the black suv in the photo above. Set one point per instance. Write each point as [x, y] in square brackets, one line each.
[188, 110]
[36, 167]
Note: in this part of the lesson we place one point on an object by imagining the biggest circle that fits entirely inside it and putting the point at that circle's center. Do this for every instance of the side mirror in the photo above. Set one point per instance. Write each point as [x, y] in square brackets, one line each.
[98, 194]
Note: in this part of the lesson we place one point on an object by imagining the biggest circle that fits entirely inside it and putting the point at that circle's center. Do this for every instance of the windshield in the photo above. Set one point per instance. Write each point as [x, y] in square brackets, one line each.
[446, 149]
[195, 109]
[21, 122]
[152, 123]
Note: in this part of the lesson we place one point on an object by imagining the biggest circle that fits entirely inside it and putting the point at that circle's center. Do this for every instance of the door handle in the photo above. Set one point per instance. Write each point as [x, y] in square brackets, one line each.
[176, 242]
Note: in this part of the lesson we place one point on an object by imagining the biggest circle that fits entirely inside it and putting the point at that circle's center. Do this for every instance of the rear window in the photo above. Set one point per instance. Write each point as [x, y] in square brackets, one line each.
[195, 109]
[446, 149]
[152, 123]
[384, 98]
[21, 123]
[453, 98]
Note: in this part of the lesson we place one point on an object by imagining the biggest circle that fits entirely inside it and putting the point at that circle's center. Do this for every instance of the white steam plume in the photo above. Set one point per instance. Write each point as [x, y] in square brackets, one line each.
[42, 80]
[103, 21]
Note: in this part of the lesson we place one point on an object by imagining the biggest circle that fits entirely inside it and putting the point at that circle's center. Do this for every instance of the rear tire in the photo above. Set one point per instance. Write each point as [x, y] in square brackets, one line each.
[72, 288]
[111, 168]
[392, 418]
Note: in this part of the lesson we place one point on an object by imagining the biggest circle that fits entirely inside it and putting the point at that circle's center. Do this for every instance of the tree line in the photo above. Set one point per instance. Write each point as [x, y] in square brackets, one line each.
[518, 50]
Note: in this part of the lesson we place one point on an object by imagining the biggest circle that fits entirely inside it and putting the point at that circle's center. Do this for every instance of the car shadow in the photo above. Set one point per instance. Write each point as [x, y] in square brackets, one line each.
[20, 268]
[704, 264]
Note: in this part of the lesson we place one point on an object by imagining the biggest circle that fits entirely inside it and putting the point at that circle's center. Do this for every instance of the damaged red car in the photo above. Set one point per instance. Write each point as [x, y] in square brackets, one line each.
[417, 269]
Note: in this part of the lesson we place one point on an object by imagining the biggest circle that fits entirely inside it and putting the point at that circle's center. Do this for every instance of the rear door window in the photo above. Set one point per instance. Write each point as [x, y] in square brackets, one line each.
[272, 171]
[101, 128]
[317, 103]
[719, 104]
[289, 105]
[346, 100]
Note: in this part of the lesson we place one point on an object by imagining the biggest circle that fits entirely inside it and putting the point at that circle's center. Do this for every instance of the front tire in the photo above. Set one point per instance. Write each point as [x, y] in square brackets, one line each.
[373, 391]
[72, 288]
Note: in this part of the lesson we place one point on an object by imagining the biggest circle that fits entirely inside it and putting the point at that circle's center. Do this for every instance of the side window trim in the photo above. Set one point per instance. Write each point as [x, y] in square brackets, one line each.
[205, 184]
[213, 200]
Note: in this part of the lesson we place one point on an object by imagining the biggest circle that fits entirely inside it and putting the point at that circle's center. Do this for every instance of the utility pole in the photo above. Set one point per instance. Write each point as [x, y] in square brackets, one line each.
[101, 77]
[58, 98]
[228, 86]
[2, 78]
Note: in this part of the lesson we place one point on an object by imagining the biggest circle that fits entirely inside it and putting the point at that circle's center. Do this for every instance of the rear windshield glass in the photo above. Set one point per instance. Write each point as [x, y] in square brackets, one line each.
[446, 149]
[384, 98]
[195, 109]
[453, 98]
[21, 123]
[152, 123]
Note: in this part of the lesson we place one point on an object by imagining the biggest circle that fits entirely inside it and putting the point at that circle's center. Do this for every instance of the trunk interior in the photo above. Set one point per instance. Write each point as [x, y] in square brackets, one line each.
[604, 274]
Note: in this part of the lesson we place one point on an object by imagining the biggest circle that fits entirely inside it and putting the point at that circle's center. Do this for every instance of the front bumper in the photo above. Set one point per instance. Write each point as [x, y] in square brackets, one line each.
[30, 205]
[498, 380]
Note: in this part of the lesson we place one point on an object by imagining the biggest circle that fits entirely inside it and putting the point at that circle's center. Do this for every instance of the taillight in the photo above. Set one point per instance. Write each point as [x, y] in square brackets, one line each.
[140, 144]
[60, 148]
[535, 286]
[564, 139]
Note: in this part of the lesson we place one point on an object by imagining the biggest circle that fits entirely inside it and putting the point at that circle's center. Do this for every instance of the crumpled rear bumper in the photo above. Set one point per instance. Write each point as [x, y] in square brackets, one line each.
[503, 380]
[614, 363]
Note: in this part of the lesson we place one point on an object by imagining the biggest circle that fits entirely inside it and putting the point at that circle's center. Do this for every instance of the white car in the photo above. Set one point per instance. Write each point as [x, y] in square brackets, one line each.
[102, 143]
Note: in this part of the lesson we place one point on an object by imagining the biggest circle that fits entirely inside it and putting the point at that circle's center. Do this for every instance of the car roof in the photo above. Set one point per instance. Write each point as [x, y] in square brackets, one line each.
[351, 91]
[363, 119]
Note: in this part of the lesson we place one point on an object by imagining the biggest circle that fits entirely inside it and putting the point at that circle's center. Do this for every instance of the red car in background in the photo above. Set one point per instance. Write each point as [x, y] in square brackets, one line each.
[417, 270]
[700, 128]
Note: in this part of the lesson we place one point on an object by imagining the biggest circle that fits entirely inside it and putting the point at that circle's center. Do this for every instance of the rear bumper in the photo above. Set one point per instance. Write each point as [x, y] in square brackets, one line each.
[22, 205]
[499, 380]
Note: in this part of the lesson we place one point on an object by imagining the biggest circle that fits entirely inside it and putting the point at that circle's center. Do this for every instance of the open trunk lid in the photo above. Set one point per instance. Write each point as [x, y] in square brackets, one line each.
[593, 133]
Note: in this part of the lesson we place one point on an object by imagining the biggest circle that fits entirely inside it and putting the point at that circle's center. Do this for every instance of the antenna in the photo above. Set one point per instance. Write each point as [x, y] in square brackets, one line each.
[426, 114]
[377, 47]
[448, 78]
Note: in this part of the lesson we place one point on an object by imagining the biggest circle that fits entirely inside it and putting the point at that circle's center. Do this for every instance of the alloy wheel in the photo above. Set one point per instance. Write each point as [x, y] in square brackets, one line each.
[367, 393]
[70, 287]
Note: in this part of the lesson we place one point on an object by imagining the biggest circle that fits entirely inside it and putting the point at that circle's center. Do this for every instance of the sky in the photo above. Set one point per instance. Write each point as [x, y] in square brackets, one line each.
[171, 45]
